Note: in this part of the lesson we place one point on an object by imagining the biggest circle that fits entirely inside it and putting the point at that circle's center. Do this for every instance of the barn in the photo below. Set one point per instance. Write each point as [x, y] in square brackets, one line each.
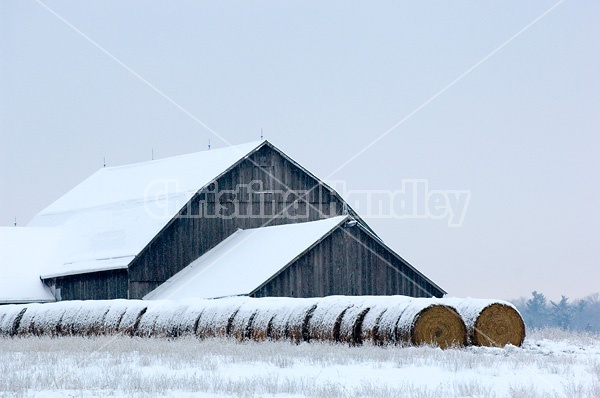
[242, 220]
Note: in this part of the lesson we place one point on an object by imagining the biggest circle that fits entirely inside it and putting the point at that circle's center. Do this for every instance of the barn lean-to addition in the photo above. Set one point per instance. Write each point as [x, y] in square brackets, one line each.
[125, 231]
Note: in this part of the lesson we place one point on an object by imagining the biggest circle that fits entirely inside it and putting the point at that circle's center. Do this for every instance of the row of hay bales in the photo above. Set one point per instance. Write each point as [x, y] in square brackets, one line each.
[379, 320]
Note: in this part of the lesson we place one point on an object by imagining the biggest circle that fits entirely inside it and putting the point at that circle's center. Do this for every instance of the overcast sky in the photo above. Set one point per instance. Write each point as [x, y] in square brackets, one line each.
[519, 129]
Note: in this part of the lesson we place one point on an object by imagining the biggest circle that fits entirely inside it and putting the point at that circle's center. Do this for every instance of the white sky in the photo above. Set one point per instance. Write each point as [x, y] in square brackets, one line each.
[324, 81]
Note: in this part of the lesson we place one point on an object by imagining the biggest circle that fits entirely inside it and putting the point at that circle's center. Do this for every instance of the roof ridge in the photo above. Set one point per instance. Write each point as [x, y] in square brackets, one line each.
[183, 155]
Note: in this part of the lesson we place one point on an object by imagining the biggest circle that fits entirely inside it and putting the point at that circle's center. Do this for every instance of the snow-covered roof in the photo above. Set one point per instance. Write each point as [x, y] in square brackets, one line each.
[111, 216]
[24, 252]
[244, 261]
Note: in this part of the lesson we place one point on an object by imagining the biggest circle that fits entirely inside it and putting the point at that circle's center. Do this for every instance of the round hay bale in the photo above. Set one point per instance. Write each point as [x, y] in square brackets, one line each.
[218, 315]
[497, 325]
[491, 323]
[89, 320]
[135, 310]
[147, 320]
[167, 323]
[325, 322]
[261, 327]
[351, 325]
[47, 320]
[360, 322]
[291, 320]
[254, 317]
[188, 320]
[379, 326]
[74, 321]
[26, 324]
[11, 319]
[427, 321]
[114, 315]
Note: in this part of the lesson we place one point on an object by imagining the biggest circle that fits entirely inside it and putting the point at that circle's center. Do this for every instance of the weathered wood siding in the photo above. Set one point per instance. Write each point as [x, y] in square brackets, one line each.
[220, 209]
[348, 262]
[93, 286]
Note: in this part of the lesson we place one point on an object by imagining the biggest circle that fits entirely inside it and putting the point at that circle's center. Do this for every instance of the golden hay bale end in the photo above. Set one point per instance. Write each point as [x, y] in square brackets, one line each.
[437, 325]
[497, 325]
[492, 323]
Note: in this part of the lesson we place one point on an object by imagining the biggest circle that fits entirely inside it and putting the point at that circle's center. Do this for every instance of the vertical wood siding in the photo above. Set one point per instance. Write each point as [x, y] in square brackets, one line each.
[94, 286]
[348, 262]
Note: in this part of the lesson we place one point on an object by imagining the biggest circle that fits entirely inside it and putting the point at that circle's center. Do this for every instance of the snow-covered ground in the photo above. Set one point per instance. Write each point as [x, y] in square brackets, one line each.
[550, 364]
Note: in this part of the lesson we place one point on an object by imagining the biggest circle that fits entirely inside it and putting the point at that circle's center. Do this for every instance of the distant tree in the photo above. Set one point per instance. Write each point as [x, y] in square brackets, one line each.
[582, 315]
[536, 311]
[587, 316]
[562, 313]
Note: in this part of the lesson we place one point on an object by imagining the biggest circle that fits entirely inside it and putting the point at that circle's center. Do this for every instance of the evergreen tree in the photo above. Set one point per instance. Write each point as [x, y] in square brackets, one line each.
[563, 313]
[536, 314]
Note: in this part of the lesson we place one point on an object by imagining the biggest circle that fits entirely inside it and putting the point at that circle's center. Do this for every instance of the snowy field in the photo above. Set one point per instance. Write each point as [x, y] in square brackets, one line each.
[550, 364]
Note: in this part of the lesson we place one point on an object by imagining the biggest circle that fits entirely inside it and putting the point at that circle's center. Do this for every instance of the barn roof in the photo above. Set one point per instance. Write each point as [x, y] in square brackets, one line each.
[24, 252]
[106, 220]
[245, 260]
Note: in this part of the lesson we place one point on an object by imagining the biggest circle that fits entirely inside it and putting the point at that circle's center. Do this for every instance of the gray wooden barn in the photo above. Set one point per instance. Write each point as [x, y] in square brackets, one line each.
[145, 230]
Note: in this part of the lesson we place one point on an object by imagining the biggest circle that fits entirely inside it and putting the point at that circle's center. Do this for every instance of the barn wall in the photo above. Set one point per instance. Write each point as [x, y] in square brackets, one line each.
[218, 211]
[93, 286]
[352, 263]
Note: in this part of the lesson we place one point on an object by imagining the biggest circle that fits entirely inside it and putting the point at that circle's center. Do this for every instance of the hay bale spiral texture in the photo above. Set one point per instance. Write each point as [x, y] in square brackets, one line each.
[491, 323]
[430, 322]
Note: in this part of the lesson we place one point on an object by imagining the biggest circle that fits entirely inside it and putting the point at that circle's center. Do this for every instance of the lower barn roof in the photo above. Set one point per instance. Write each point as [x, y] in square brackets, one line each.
[244, 261]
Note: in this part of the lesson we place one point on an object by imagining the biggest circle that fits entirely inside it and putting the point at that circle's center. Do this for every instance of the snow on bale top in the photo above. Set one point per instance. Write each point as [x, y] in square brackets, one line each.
[222, 271]
[24, 252]
[106, 220]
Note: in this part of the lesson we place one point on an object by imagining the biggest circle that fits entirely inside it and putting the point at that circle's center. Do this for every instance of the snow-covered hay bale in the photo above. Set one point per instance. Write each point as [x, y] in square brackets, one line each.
[11, 319]
[291, 320]
[428, 321]
[241, 324]
[82, 318]
[379, 325]
[325, 322]
[89, 320]
[218, 315]
[27, 322]
[147, 320]
[48, 319]
[188, 319]
[492, 323]
[351, 328]
[168, 321]
[114, 315]
[261, 327]
[130, 319]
